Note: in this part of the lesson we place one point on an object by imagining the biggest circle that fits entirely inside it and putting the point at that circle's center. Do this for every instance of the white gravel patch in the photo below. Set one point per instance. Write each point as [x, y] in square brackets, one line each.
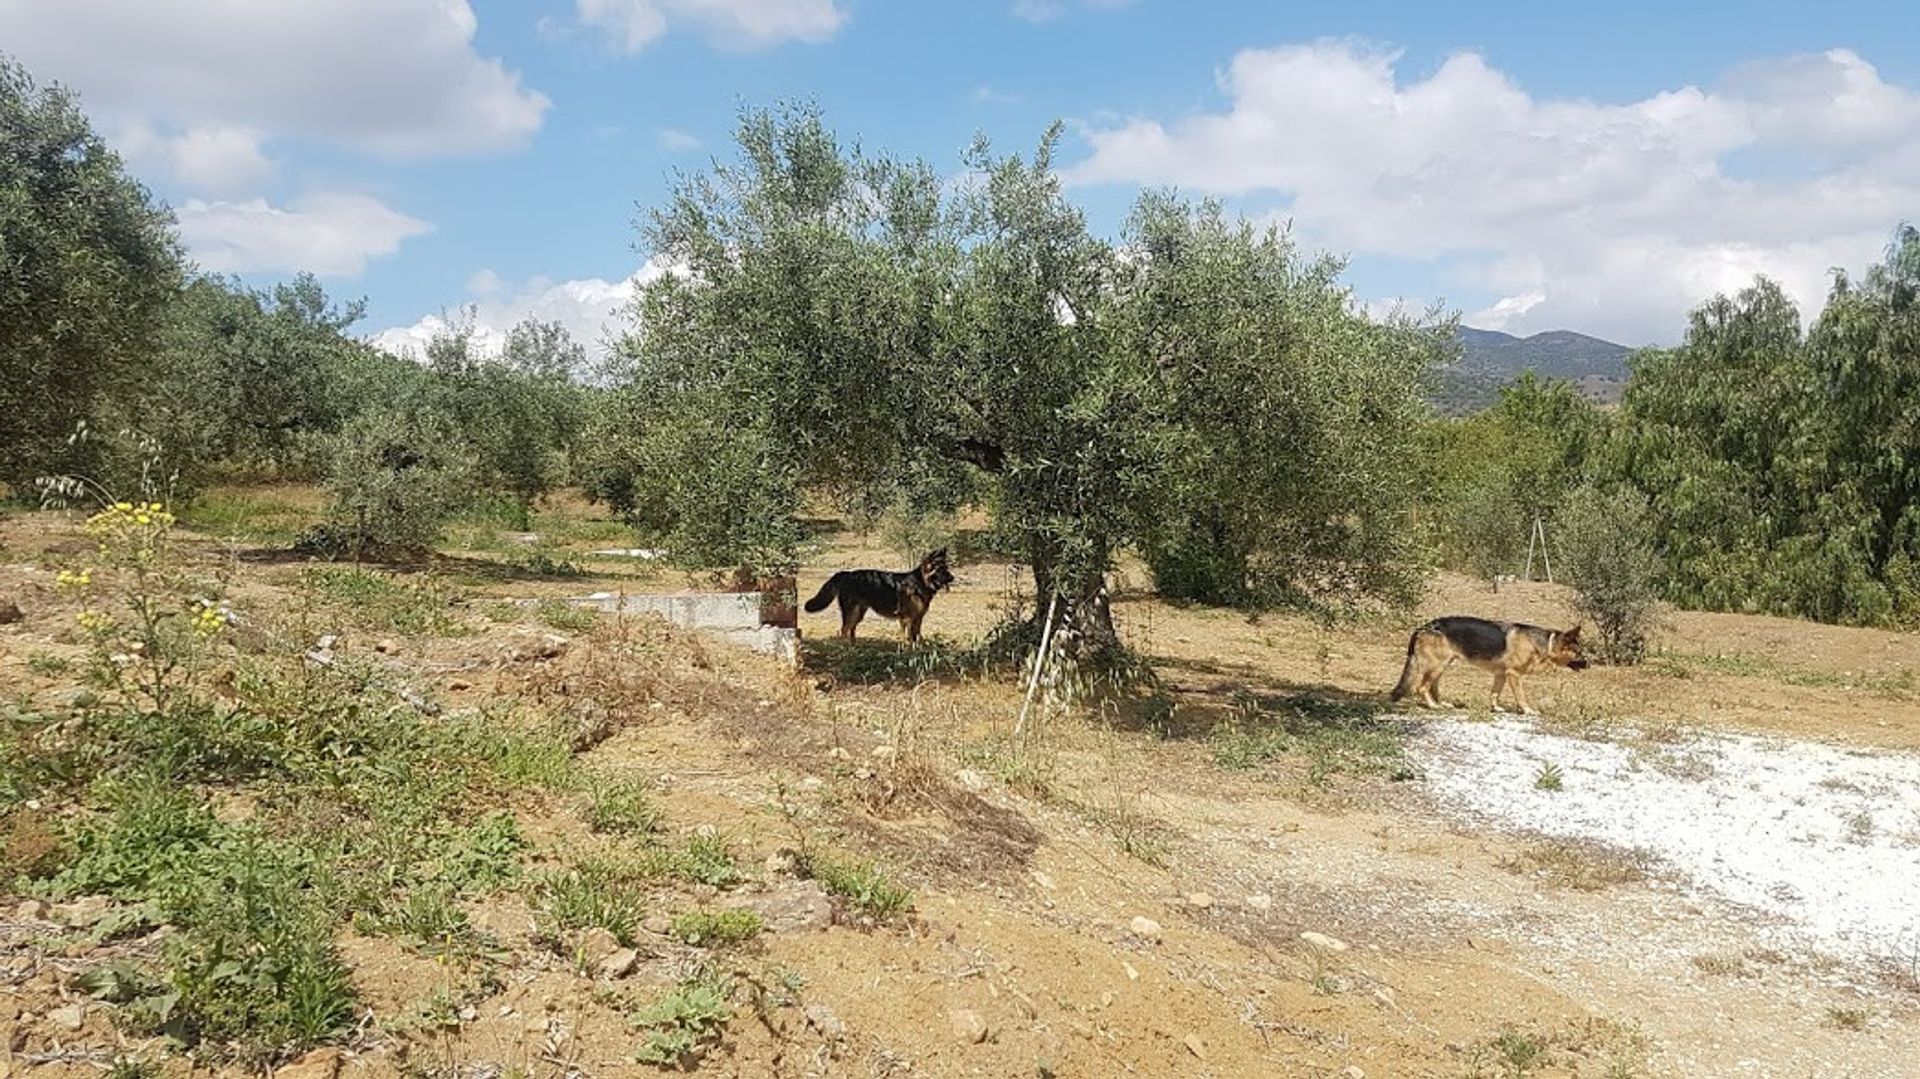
[1823, 837]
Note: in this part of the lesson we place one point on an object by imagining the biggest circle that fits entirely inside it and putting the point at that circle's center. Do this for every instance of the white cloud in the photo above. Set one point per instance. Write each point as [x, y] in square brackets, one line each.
[677, 142]
[397, 77]
[632, 25]
[1049, 10]
[207, 160]
[987, 94]
[331, 234]
[592, 310]
[1610, 218]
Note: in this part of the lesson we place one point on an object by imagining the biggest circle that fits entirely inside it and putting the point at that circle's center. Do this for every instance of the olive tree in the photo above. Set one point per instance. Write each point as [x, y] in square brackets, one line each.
[849, 325]
[88, 262]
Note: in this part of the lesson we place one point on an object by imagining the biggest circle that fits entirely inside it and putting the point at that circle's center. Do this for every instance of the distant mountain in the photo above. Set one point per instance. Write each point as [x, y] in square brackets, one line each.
[1490, 359]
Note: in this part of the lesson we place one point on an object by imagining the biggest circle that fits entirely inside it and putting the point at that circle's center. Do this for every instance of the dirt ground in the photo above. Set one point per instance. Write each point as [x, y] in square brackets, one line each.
[1117, 895]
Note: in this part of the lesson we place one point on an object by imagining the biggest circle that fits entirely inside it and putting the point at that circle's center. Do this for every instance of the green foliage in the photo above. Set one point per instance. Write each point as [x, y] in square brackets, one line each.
[685, 1023]
[1606, 552]
[710, 928]
[847, 325]
[250, 382]
[1288, 419]
[88, 263]
[256, 966]
[861, 883]
[702, 859]
[594, 895]
[1549, 778]
[520, 411]
[622, 807]
[411, 605]
[1493, 473]
[1778, 466]
[397, 473]
[559, 614]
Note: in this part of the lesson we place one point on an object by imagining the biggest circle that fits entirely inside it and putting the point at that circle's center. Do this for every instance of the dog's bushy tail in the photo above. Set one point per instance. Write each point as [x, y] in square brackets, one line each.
[825, 596]
[1405, 685]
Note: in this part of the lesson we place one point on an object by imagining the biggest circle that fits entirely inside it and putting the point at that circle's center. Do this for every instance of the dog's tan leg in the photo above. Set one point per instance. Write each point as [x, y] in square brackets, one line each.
[1499, 686]
[1520, 696]
[913, 627]
[850, 616]
[1430, 688]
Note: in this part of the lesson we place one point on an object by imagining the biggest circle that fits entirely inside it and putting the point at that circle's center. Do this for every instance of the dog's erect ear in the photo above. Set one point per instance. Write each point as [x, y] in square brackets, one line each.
[1572, 636]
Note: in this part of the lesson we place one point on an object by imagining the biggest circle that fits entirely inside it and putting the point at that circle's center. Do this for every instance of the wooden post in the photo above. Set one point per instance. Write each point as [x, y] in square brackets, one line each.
[1039, 665]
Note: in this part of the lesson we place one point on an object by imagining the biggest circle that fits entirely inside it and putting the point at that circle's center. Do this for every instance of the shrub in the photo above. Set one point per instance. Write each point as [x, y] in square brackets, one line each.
[1605, 545]
[685, 1023]
[861, 883]
[594, 895]
[396, 475]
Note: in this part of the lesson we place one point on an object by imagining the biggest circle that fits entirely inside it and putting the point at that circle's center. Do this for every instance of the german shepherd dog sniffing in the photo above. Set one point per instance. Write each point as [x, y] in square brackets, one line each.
[1508, 649]
[905, 596]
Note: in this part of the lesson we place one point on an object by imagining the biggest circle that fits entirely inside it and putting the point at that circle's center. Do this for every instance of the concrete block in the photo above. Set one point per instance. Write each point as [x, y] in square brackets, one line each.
[735, 617]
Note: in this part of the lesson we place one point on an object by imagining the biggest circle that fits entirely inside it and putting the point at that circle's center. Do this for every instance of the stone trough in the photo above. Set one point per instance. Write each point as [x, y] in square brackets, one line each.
[761, 621]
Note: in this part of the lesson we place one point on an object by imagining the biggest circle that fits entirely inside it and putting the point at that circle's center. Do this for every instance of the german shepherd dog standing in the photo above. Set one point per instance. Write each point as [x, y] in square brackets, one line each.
[905, 596]
[1508, 649]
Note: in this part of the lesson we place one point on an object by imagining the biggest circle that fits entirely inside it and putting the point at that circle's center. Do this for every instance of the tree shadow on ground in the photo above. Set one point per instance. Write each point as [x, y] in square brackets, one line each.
[882, 661]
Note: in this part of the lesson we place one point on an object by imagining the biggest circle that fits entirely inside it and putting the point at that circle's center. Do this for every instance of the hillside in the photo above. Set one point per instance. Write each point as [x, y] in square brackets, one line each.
[1490, 359]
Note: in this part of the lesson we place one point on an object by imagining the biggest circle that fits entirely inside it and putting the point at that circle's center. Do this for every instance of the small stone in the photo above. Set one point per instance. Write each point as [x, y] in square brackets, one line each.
[657, 924]
[1261, 901]
[885, 753]
[1385, 996]
[597, 944]
[10, 612]
[706, 831]
[469, 1013]
[1042, 879]
[32, 910]
[69, 1017]
[319, 1064]
[795, 907]
[1145, 928]
[838, 753]
[971, 780]
[863, 773]
[1355, 1071]
[1323, 942]
[812, 784]
[618, 965]
[326, 642]
[387, 647]
[1195, 1046]
[821, 1018]
[782, 863]
[968, 1026]
[1133, 974]
[1200, 900]
[82, 912]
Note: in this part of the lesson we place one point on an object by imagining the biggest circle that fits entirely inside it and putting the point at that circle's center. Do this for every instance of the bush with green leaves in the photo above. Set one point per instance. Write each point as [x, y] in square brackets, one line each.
[396, 473]
[1494, 473]
[1776, 463]
[1606, 553]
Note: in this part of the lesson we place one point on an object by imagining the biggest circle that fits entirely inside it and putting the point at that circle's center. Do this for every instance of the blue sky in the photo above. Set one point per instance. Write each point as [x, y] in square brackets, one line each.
[1532, 166]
